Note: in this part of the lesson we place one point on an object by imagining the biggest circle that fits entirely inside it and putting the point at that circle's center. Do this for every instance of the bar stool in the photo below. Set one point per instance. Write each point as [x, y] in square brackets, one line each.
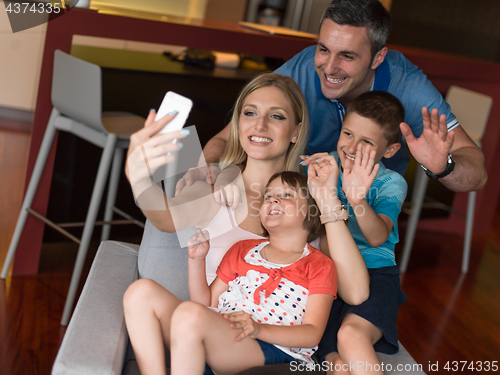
[76, 97]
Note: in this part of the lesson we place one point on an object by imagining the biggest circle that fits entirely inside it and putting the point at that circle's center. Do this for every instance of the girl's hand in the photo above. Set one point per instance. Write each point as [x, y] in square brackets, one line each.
[229, 195]
[149, 150]
[242, 320]
[323, 174]
[203, 173]
[229, 188]
[198, 245]
[358, 177]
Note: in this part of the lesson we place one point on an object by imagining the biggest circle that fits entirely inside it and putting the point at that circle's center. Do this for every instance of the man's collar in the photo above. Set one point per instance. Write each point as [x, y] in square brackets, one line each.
[319, 93]
[382, 77]
[380, 83]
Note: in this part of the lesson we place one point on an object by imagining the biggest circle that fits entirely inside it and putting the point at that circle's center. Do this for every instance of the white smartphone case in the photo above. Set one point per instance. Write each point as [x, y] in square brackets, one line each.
[171, 102]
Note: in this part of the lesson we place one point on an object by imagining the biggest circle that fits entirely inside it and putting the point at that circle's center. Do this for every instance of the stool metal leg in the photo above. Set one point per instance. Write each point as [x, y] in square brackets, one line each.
[88, 229]
[471, 205]
[112, 190]
[48, 138]
[420, 186]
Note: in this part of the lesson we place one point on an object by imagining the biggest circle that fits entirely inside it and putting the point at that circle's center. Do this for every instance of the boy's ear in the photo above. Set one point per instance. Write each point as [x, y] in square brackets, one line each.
[391, 150]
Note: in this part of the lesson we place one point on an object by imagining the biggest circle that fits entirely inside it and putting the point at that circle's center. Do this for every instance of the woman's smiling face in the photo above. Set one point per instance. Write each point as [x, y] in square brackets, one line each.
[267, 124]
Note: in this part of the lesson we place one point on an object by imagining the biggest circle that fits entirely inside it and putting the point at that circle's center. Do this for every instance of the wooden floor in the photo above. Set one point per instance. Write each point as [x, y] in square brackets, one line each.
[448, 317]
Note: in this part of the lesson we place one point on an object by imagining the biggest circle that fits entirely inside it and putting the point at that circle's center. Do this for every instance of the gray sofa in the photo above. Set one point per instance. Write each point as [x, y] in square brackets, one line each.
[96, 340]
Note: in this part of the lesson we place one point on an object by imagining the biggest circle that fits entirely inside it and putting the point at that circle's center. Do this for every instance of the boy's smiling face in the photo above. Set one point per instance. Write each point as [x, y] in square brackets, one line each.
[358, 129]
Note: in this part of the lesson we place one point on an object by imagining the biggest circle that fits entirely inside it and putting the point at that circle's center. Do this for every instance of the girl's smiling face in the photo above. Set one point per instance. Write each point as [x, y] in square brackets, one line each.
[284, 207]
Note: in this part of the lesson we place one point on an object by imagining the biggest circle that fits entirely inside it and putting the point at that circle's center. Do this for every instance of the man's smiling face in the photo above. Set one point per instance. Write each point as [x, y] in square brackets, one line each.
[343, 61]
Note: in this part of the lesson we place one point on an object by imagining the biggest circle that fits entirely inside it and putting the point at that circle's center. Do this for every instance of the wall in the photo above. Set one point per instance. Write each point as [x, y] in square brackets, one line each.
[192, 8]
[226, 10]
[20, 64]
[21, 54]
[387, 4]
[461, 27]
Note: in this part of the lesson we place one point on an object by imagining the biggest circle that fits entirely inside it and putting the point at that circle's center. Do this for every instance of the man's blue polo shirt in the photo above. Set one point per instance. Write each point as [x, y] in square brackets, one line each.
[396, 75]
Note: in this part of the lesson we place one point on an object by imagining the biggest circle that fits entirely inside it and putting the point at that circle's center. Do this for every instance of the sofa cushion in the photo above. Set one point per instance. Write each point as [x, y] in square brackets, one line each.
[163, 260]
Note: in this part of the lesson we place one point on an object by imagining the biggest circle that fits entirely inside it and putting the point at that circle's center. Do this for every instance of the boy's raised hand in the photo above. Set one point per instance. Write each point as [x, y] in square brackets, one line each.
[359, 176]
[198, 245]
[323, 174]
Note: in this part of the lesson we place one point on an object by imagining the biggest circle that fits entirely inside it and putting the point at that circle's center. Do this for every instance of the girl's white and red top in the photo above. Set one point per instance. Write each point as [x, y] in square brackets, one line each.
[274, 293]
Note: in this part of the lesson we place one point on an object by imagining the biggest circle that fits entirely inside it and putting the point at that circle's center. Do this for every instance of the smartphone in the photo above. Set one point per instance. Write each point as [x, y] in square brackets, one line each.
[181, 104]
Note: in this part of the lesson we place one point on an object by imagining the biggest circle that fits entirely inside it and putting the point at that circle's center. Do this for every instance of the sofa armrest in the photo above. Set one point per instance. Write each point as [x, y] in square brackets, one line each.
[96, 337]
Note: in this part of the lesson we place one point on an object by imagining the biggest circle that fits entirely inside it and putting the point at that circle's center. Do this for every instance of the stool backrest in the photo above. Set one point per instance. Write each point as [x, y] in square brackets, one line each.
[76, 90]
[472, 110]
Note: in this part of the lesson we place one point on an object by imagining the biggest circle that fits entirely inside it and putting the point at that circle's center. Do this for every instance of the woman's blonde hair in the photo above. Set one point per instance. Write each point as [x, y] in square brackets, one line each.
[234, 153]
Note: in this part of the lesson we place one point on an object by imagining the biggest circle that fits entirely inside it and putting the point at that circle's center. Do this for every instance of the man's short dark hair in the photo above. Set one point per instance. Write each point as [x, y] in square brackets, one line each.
[362, 13]
[383, 108]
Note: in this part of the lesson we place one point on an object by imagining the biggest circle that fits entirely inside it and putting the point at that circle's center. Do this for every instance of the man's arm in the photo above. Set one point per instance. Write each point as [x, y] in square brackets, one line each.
[215, 147]
[431, 149]
[469, 173]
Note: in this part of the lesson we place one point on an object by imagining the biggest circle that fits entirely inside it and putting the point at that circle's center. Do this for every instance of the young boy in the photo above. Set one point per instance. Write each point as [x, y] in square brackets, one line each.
[373, 196]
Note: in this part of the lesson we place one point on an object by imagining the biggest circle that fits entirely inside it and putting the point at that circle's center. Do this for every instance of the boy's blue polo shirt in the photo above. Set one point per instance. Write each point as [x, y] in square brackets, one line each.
[396, 75]
[386, 196]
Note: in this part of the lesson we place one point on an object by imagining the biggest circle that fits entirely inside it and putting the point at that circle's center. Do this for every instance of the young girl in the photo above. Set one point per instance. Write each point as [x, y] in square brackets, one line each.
[277, 291]
[283, 277]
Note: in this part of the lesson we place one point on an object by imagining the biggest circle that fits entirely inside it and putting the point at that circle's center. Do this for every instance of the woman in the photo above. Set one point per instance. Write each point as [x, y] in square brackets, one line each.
[268, 134]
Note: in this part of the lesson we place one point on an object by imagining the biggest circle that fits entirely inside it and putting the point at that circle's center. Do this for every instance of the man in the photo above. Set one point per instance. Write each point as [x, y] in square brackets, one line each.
[351, 58]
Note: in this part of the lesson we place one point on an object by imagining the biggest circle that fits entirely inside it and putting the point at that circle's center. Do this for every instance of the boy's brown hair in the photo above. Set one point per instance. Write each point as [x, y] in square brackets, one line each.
[299, 182]
[383, 108]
